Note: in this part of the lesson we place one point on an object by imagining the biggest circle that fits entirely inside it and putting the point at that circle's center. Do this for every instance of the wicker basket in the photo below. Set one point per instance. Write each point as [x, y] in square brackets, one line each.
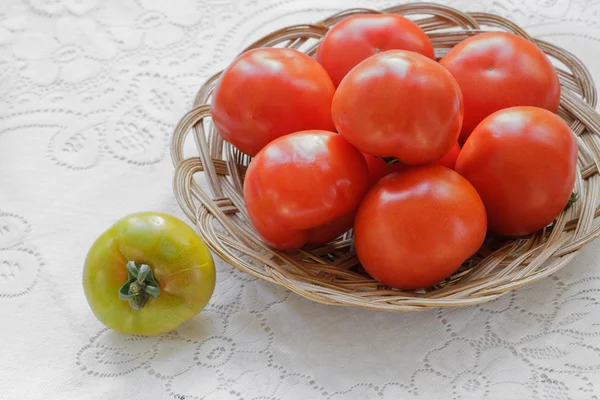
[332, 273]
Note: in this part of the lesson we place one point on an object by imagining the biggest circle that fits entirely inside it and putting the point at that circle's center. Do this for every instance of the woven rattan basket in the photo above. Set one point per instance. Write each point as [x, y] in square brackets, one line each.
[332, 273]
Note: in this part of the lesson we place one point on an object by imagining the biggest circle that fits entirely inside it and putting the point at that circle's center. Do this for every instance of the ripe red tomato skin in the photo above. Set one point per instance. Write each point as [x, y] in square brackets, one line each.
[304, 188]
[522, 161]
[449, 160]
[270, 92]
[378, 168]
[358, 37]
[399, 104]
[498, 70]
[332, 229]
[416, 227]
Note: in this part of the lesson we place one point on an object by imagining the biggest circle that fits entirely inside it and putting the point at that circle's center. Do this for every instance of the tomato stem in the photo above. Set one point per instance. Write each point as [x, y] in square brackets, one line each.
[390, 160]
[141, 285]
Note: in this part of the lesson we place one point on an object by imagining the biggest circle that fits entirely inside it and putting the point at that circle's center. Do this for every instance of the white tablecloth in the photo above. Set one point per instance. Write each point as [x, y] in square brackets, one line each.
[90, 91]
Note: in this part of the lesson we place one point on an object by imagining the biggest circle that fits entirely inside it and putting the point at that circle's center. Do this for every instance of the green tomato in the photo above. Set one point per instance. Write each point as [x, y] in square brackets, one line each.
[147, 274]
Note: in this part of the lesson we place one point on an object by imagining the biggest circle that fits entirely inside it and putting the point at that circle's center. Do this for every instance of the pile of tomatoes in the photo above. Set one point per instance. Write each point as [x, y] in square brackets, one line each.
[422, 158]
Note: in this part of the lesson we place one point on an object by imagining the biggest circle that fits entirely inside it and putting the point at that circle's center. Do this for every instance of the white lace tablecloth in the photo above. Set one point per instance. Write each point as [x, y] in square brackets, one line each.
[90, 91]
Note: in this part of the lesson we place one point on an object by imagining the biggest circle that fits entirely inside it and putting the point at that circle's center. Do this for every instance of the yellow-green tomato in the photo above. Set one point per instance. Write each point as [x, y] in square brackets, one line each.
[147, 274]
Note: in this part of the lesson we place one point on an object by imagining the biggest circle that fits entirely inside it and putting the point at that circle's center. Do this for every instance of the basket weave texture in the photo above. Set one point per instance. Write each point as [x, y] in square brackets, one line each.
[332, 273]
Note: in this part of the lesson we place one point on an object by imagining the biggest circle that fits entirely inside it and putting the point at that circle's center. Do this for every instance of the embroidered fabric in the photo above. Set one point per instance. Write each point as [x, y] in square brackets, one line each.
[90, 91]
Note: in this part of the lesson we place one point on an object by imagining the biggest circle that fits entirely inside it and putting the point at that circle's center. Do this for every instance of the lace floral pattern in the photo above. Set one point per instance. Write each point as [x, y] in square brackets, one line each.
[524, 344]
[89, 93]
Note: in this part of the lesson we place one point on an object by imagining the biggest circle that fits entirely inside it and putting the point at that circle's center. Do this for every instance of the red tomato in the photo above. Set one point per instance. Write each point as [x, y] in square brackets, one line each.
[417, 227]
[356, 38]
[399, 104]
[449, 160]
[270, 92]
[522, 162]
[378, 168]
[498, 70]
[332, 229]
[302, 187]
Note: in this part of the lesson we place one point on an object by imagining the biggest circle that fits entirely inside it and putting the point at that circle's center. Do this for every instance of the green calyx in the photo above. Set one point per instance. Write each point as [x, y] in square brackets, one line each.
[141, 286]
[572, 200]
